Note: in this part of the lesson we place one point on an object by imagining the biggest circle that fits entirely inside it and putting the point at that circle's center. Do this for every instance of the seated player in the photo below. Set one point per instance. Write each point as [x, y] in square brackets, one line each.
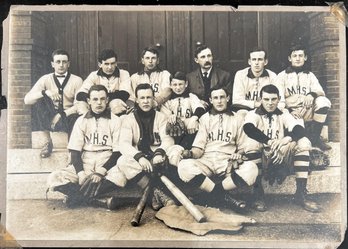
[184, 106]
[283, 143]
[116, 81]
[94, 151]
[217, 143]
[304, 96]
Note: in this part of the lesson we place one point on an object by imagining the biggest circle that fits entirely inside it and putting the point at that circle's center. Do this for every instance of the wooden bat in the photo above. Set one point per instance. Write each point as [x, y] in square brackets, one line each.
[141, 206]
[181, 197]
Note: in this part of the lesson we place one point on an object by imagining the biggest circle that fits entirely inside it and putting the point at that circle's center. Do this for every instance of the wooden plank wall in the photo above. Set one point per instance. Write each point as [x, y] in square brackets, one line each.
[230, 35]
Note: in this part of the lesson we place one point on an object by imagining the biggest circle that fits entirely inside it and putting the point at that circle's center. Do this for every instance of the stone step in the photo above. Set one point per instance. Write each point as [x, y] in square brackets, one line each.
[18, 159]
[33, 185]
[59, 139]
[29, 161]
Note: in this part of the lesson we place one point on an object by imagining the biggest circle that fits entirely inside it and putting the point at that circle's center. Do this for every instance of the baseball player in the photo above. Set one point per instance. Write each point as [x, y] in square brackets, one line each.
[152, 74]
[184, 106]
[143, 140]
[53, 97]
[249, 81]
[116, 81]
[216, 153]
[283, 143]
[304, 96]
[94, 153]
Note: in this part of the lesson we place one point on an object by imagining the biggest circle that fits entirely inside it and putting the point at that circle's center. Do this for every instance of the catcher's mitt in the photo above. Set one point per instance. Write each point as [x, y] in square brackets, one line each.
[177, 129]
[160, 168]
[274, 172]
[318, 160]
[90, 187]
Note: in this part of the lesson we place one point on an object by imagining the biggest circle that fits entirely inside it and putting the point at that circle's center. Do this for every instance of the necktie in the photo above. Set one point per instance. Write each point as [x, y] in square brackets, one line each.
[205, 75]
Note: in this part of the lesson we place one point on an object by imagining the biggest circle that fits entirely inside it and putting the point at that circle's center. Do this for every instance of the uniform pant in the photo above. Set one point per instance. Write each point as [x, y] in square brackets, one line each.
[216, 164]
[296, 156]
[91, 161]
[318, 112]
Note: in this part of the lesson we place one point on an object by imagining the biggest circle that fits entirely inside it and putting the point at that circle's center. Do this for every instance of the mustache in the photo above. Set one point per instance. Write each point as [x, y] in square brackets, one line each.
[207, 63]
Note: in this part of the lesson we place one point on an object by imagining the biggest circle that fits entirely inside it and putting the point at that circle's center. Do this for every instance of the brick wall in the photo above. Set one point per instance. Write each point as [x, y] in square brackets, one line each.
[27, 59]
[324, 50]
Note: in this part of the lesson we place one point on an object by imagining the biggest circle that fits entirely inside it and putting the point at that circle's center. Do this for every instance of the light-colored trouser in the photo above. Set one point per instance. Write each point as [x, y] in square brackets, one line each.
[216, 163]
[91, 161]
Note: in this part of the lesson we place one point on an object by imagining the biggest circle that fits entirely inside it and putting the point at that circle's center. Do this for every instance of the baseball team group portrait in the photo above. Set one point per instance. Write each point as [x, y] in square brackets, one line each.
[209, 122]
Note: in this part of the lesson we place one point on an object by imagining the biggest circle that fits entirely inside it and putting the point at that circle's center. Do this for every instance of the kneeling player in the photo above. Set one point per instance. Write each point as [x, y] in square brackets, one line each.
[268, 126]
[94, 154]
[218, 141]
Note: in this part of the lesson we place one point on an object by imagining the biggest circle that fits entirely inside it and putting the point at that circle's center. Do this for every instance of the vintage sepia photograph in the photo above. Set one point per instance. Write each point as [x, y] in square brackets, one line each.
[173, 126]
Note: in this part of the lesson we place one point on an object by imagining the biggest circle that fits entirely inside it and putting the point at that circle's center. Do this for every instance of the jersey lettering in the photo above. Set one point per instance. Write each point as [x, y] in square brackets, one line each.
[188, 113]
[220, 136]
[270, 134]
[179, 112]
[94, 138]
[155, 87]
[297, 90]
[254, 96]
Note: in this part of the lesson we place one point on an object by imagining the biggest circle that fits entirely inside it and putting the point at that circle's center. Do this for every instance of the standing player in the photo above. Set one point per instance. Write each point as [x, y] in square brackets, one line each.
[116, 81]
[268, 126]
[94, 153]
[206, 75]
[53, 97]
[184, 106]
[304, 96]
[152, 74]
[217, 143]
[143, 140]
[249, 81]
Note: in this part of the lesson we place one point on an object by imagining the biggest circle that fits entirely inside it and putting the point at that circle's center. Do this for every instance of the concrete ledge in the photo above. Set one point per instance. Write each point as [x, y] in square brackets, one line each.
[29, 161]
[33, 186]
[59, 139]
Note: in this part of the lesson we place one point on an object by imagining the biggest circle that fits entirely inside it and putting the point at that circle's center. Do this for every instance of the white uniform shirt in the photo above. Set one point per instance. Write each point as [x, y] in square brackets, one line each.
[158, 80]
[112, 84]
[298, 84]
[182, 107]
[219, 133]
[91, 134]
[272, 127]
[246, 87]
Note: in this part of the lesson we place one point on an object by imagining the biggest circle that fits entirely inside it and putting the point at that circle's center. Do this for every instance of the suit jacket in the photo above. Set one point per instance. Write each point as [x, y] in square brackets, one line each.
[218, 76]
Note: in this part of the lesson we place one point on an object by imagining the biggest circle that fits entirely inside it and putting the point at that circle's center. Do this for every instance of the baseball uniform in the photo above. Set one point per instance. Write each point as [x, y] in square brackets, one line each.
[219, 136]
[96, 137]
[246, 87]
[159, 81]
[296, 86]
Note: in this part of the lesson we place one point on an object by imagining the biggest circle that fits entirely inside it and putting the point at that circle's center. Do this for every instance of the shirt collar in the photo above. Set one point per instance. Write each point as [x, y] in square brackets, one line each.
[116, 73]
[156, 69]
[65, 74]
[252, 76]
[209, 71]
[227, 111]
[291, 69]
[262, 111]
[185, 94]
[105, 114]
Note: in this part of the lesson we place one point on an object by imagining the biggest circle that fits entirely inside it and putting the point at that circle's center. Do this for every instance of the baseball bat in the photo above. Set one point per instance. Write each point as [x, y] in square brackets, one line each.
[140, 208]
[181, 197]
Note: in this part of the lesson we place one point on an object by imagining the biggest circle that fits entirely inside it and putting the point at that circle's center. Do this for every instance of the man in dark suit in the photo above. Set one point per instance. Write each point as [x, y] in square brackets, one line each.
[207, 76]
